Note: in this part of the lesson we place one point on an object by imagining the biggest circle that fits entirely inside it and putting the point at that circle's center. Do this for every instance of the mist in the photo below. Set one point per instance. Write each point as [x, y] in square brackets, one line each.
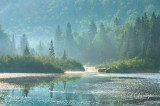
[93, 25]
[61, 52]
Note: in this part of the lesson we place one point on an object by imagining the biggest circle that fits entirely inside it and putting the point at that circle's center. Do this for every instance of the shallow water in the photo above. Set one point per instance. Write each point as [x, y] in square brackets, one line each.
[79, 89]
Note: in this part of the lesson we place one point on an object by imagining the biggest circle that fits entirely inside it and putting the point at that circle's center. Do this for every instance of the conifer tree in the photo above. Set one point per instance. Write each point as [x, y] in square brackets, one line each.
[92, 31]
[116, 22]
[64, 57]
[104, 50]
[69, 41]
[58, 42]
[23, 43]
[51, 50]
[26, 50]
[13, 45]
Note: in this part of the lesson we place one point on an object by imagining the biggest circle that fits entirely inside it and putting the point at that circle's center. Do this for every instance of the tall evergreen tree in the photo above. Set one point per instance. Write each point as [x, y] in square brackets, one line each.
[92, 31]
[13, 45]
[42, 49]
[116, 22]
[64, 57]
[58, 42]
[51, 50]
[143, 35]
[23, 43]
[92, 54]
[153, 39]
[26, 50]
[69, 41]
[123, 47]
[104, 44]
[133, 44]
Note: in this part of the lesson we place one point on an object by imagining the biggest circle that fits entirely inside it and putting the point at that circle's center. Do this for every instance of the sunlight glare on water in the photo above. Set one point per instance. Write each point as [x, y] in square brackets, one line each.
[80, 89]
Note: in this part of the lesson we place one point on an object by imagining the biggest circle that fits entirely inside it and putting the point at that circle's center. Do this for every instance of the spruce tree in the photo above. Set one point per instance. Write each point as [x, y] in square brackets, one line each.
[91, 53]
[92, 31]
[42, 49]
[23, 43]
[133, 49]
[69, 41]
[26, 50]
[51, 50]
[64, 57]
[13, 46]
[116, 22]
[58, 42]
[104, 50]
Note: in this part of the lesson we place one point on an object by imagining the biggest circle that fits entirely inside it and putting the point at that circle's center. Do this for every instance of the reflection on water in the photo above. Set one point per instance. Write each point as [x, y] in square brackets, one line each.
[85, 89]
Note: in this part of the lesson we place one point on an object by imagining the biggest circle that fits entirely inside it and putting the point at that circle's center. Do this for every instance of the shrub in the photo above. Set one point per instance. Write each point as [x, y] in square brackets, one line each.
[132, 66]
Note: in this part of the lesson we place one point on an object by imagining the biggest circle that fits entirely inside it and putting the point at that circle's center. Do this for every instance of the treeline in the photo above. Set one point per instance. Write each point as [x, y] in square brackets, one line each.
[26, 59]
[139, 47]
[91, 47]
[98, 44]
[142, 39]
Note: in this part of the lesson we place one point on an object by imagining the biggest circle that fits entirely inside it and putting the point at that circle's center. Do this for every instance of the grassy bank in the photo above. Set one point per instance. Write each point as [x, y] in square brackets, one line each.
[37, 64]
[134, 65]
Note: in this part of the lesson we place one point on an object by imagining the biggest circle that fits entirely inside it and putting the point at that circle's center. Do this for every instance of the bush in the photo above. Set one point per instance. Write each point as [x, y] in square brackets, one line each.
[134, 65]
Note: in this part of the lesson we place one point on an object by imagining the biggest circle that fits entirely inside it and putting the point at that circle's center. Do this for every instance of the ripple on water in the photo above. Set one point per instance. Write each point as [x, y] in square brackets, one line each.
[92, 89]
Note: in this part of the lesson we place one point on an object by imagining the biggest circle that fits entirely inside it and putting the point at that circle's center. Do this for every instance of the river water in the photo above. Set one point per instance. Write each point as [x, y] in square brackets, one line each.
[88, 88]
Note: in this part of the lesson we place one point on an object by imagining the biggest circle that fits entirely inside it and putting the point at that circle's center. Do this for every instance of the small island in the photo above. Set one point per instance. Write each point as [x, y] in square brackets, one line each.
[37, 64]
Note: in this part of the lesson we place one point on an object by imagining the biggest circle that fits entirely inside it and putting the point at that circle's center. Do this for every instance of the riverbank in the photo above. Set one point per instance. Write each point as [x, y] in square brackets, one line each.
[37, 64]
[134, 65]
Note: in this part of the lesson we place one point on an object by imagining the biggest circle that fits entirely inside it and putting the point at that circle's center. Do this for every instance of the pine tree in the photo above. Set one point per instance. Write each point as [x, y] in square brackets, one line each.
[64, 57]
[123, 47]
[69, 41]
[51, 50]
[42, 49]
[13, 45]
[133, 44]
[144, 35]
[138, 31]
[92, 31]
[104, 50]
[26, 50]
[116, 22]
[23, 43]
[58, 42]
[91, 53]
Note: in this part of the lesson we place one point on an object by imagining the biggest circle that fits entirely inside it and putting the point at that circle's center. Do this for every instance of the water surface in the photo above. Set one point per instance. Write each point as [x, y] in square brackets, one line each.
[79, 89]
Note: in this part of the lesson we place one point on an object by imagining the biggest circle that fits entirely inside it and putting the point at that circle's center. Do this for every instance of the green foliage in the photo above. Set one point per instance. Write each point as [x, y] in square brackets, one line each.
[142, 39]
[38, 64]
[71, 64]
[134, 65]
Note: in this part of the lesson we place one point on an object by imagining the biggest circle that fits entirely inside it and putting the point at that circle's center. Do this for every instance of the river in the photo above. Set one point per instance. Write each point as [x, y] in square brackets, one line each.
[88, 88]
